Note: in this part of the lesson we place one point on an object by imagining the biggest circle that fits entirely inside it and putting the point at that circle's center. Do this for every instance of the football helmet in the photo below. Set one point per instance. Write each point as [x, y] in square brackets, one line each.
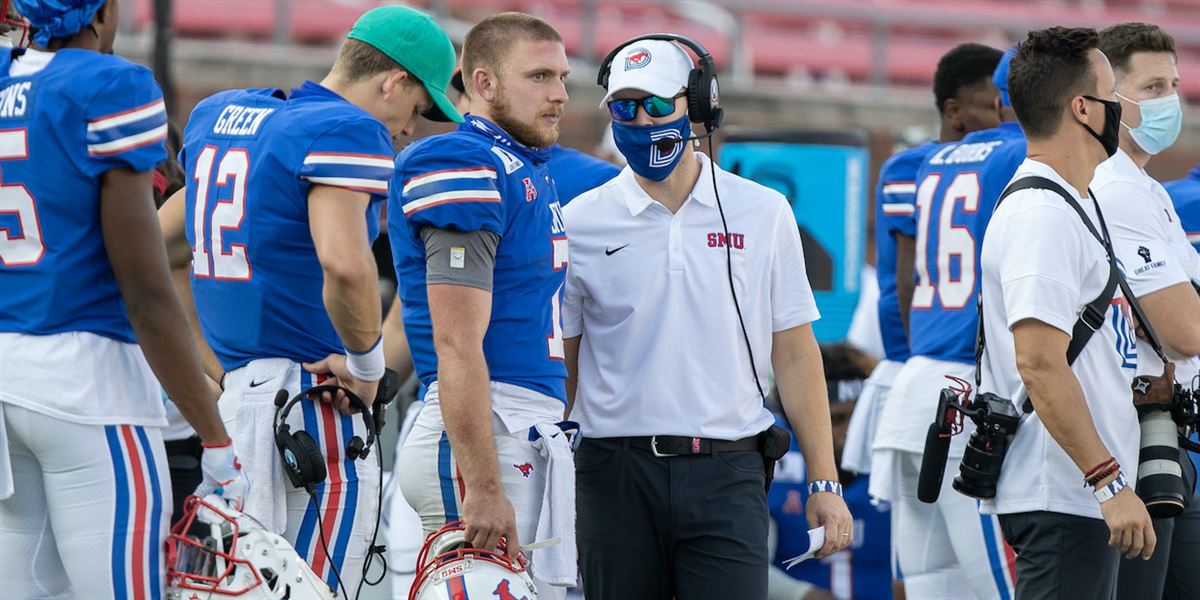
[217, 552]
[14, 29]
[449, 569]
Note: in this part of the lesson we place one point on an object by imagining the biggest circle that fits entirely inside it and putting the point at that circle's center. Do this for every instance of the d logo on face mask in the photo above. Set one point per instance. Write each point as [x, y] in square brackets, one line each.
[643, 146]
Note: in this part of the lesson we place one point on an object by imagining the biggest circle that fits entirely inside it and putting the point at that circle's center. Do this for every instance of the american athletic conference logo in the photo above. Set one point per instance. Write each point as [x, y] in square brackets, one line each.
[657, 157]
[637, 58]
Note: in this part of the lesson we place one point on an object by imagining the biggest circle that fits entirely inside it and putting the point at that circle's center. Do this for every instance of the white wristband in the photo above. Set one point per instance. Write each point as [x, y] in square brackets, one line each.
[367, 366]
[1111, 489]
[824, 485]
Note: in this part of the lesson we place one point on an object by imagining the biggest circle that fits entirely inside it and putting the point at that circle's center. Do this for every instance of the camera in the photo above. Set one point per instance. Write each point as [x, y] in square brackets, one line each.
[996, 420]
[1161, 481]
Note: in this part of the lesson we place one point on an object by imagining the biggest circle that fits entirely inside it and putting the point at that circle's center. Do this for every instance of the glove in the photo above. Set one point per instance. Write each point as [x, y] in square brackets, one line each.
[223, 475]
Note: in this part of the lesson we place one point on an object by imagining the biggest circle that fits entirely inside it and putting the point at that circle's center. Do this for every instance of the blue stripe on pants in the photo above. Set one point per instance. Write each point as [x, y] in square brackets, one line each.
[309, 524]
[155, 515]
[446, 478]
[121, 521]
[994, 559]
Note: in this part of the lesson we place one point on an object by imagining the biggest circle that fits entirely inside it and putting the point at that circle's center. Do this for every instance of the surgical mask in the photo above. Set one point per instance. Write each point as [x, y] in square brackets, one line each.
[645, 148]
[1162, 118]
[1110, 137]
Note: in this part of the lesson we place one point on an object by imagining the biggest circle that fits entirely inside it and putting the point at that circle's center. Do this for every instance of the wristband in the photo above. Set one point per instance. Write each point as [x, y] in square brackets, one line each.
[369, 365]
[824, 485]
[1098, 477]
[1100, 467]
[1111, 489]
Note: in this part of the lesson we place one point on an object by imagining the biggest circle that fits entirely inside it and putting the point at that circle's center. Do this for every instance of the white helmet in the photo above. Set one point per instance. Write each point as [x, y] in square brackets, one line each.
[210, 555]
[449, 569]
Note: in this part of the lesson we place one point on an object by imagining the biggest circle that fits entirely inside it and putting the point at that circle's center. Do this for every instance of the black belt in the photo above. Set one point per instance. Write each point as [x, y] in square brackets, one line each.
[675, 445]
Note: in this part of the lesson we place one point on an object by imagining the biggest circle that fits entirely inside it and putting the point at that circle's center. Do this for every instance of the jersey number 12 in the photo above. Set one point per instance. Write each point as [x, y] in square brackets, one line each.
[209, 258]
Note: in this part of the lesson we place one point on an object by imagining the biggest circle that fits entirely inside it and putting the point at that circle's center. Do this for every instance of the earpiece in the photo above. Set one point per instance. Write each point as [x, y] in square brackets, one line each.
[703, 97]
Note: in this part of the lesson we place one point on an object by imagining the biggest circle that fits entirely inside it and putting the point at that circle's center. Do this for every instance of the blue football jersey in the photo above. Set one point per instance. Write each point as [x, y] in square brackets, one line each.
[252, 156]
[894, 216]
[477, 179]
[1185, 195]
[61, 129]
[957, 189]
[860, 572]
[575, 172]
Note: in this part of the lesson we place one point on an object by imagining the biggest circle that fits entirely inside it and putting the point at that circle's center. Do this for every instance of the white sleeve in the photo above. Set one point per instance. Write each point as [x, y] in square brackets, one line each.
[1139, 238]
[1042, 265]
[572, 304]
[792, 302]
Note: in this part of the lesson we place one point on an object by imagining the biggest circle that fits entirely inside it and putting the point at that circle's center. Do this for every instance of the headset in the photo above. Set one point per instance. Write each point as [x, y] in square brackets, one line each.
[703, 102]
[703, 98]
[302, 458]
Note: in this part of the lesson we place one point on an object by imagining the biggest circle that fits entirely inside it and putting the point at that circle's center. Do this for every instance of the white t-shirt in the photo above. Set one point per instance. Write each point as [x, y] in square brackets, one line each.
[1149, 241]
[80, 377]
[662, 352]
[1040, 262]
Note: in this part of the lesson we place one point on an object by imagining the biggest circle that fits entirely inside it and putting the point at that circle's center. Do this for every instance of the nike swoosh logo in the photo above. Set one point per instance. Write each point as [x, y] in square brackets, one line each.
[258, 383]
[614, 250]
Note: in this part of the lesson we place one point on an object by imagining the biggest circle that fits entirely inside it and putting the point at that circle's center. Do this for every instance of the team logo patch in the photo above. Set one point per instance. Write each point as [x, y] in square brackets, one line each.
[1144, 252]
[525, 469]
[530, 190]
[502, 592]
[637, 58]
[736, 241]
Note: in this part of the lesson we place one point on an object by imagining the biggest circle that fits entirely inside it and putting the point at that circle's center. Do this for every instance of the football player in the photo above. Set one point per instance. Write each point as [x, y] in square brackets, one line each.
[947, 549]
[1185, 194]
[283, 200]
[480, 252]
[88, 318]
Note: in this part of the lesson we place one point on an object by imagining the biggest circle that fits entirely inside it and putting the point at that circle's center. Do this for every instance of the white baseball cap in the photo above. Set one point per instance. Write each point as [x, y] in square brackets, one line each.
[656, 67]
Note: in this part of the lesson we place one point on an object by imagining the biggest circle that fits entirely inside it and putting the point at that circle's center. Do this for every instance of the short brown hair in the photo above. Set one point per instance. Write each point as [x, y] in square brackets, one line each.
[1050, 67]
[358, 60]
[1120, 42]
[488, 43]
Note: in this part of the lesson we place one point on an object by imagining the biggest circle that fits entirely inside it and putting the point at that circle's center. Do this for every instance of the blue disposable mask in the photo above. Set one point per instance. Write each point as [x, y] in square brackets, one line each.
[1162, 118]
[646, 150]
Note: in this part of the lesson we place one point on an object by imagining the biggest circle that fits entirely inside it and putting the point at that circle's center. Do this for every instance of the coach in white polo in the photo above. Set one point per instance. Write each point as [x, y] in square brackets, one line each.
[670, 481]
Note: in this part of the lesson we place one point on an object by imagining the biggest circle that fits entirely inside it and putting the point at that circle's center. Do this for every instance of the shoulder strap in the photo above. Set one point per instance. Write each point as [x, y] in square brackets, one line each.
[1091, 318]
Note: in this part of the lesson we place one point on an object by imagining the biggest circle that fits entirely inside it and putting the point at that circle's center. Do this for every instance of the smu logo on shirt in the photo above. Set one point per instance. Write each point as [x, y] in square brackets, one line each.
[735, 240]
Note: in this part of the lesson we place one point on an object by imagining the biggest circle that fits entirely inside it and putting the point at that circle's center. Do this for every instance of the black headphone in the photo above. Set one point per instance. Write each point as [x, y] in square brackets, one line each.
[302, 458]
[702, 96]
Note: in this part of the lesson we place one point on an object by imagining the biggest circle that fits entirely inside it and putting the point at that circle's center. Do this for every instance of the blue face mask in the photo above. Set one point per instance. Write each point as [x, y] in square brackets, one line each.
[647, 155]
[1162, 118]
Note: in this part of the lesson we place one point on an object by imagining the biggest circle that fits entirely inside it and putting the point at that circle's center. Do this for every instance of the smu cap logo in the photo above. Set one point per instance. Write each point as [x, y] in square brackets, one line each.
[637, 58]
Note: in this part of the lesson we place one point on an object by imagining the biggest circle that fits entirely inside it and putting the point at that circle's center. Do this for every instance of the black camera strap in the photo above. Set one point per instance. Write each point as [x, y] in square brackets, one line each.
[1091, 318]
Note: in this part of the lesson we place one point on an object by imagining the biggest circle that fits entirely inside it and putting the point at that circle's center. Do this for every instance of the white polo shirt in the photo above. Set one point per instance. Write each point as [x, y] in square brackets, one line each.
[1040, 262]
[662, 352]
[1149, 241]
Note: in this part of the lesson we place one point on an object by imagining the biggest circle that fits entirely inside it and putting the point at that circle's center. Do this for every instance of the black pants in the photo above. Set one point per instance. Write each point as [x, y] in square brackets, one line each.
[1174, 570]
[685, 527]
[1061, 557]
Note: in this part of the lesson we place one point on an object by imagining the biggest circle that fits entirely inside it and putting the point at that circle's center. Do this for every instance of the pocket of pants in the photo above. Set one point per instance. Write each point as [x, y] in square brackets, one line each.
[594, 456]
[743, 462]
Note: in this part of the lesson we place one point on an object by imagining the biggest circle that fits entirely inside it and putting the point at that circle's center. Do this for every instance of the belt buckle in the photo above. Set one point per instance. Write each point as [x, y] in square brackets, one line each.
[654, 448]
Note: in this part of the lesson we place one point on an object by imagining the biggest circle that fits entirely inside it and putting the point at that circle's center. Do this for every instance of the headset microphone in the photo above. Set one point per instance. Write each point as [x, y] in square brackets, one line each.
[281, 398]
[665, 145]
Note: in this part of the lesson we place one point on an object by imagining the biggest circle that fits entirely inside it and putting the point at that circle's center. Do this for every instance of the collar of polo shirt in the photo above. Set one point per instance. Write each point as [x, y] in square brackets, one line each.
[638, 200]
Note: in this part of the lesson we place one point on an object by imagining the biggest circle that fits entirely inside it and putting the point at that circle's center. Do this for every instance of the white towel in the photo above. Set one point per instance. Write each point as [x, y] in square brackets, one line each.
[556, 564]
[249, 415]
[6, 475]
[860, 435]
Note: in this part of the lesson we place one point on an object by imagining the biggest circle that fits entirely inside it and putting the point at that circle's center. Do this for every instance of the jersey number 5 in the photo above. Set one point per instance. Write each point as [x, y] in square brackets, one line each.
[27, 249]
[951, 240]
[227, 214]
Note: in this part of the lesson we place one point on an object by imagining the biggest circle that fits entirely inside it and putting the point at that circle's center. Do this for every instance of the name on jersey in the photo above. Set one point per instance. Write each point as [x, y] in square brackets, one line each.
[241, 120]
[964, 153]
[12, 100]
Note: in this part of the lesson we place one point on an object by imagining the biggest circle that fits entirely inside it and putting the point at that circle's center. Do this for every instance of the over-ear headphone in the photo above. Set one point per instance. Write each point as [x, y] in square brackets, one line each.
[302, 458]
[702, 96]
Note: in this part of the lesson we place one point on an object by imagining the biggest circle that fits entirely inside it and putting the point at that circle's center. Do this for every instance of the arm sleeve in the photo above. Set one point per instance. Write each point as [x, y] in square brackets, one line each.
[126, 123]
[792, 302]
[355, 154]
[465, 258]
[896, 196]
[1041, 266]
[448, 184]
